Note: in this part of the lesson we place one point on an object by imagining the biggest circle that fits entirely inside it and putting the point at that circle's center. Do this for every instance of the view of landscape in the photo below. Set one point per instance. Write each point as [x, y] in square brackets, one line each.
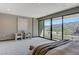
[41, 28]
[57, 28]
[47, 24]
[70, 27]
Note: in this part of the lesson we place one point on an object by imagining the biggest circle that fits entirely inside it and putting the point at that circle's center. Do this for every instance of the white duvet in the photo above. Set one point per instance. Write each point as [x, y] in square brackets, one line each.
[20, 47]
[71, 48]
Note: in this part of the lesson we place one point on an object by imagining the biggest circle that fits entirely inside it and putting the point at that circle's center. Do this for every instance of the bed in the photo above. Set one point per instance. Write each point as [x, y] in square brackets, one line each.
[20, 47]
[64, 47]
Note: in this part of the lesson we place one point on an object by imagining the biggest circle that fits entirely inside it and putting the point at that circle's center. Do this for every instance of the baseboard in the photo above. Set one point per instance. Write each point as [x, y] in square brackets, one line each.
[7, 40]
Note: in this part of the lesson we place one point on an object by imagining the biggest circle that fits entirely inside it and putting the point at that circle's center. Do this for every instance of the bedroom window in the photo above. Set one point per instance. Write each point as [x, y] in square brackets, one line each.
[41, 28]
[47, 24]
[71, 26]
[57, 28]
[64, 27]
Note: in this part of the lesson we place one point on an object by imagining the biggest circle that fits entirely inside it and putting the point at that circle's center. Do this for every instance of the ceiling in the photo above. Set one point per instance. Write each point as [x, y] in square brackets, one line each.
[34, 9]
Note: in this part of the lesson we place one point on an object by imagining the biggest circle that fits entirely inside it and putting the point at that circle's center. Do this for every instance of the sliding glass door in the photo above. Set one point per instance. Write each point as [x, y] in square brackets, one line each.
[47, 24]
[57, 28]
[41, 28]
[51, 28]
[71, 26]
[64, 27]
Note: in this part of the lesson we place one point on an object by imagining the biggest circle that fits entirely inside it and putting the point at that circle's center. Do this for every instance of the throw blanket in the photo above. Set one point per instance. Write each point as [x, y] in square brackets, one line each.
[43, 49]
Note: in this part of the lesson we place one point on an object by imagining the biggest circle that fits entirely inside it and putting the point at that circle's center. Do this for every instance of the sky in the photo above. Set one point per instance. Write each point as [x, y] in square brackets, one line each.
[67, 20]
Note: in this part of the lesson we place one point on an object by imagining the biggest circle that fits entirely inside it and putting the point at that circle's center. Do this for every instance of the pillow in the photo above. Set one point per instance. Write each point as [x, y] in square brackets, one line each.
[31, 47]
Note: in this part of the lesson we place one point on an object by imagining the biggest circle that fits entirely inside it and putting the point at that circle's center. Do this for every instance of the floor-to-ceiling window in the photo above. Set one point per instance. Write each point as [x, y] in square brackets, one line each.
[71, 26]
[47, 31]
[45, 28]
[57, 28]
[41, 28]
[64, 27]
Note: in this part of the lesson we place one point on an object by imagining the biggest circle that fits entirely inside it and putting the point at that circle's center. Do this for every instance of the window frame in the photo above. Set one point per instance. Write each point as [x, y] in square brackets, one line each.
[62, 25]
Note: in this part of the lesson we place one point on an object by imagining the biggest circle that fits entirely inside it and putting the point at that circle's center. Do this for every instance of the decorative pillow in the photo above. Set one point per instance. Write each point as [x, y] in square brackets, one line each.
[31, 47]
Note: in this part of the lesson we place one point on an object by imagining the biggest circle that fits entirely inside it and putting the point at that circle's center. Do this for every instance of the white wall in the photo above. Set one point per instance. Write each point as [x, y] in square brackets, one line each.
[35, 27]
[10, 24]
[7, 26]
[24, 24]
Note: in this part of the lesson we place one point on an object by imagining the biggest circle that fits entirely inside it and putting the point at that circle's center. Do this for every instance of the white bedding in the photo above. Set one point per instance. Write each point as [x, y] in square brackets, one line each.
[71, 48]
[20, 47]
